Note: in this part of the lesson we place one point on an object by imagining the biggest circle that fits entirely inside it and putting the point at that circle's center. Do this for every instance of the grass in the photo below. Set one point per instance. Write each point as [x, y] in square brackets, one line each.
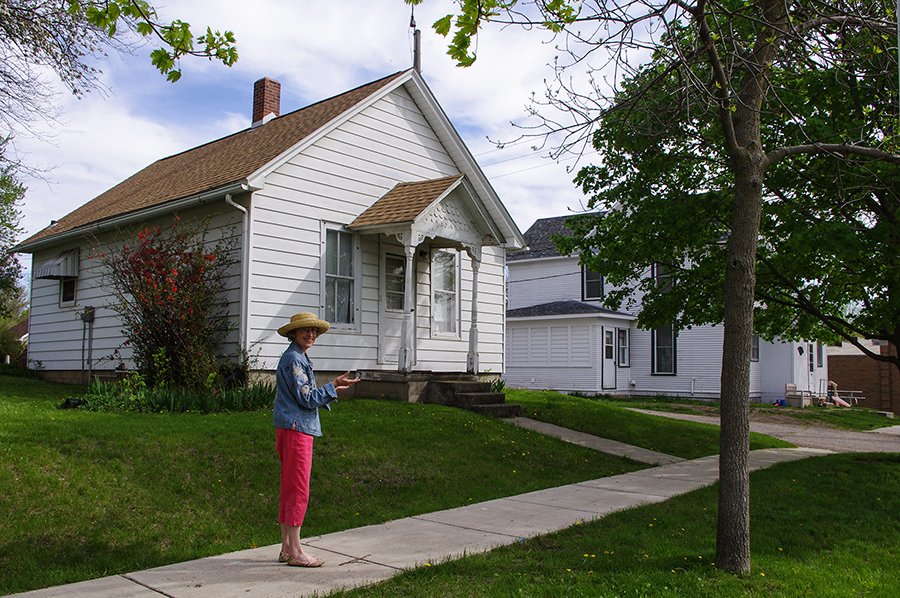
[823, 527]
[87, 494]
[610, 420]
[853, 418]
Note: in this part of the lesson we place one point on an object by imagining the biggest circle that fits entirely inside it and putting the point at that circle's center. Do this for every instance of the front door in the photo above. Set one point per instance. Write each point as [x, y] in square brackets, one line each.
[609, 358]
[392, 304]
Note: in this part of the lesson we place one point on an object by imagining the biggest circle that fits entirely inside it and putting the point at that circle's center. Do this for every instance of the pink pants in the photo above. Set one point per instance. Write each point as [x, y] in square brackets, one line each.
[295, 451]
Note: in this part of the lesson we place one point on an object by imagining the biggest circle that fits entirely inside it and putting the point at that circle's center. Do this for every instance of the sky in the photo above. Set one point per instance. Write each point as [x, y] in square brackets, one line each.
[315, 49]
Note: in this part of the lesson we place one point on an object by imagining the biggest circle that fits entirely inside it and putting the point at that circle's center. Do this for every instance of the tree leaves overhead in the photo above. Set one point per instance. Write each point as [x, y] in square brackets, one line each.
[70, 36]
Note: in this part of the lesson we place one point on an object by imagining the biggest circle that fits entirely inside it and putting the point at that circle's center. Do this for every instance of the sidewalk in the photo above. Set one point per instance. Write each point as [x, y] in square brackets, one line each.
[370, 554]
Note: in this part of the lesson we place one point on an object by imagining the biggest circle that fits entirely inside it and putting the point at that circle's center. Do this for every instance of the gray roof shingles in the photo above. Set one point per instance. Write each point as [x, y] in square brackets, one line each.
[211, 165]
[560, 308]
[538, 239]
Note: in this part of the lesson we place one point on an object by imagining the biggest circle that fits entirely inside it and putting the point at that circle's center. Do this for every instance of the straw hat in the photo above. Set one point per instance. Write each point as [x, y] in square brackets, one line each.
[304, 320]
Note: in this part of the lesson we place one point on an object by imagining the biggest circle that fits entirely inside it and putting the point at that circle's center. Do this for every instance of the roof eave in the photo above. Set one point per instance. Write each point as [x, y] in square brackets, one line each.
[612, 315]
[137, 216]
[465, 161]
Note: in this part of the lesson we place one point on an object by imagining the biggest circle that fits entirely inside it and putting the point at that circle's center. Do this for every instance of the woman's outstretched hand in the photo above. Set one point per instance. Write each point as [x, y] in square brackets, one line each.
[343, 382]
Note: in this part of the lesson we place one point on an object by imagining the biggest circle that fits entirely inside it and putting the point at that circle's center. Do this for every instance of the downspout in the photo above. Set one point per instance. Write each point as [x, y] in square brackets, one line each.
[245, 276]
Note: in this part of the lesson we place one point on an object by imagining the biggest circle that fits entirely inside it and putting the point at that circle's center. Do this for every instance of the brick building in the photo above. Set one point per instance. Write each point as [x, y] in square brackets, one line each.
[878, 381]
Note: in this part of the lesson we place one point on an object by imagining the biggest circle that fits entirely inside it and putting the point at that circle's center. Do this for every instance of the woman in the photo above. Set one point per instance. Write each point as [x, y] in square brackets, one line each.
[296, 418]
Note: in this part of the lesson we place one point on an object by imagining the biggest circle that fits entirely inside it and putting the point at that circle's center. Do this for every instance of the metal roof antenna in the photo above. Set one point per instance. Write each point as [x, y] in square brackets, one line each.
[417, 41]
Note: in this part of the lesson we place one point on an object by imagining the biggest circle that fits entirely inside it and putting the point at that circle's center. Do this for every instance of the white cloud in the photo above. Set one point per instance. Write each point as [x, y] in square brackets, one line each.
[316, 50]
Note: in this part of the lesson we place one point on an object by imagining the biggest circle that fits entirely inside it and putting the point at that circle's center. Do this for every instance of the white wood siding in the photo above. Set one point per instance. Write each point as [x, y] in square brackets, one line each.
[539, 281]
[334, 180]
[57, 336]
[558, 355]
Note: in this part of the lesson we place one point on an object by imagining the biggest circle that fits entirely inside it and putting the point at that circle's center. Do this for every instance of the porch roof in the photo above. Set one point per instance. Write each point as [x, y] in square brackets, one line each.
[405, 202]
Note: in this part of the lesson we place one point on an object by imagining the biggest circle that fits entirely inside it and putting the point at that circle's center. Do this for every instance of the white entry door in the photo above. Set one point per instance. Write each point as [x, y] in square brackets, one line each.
[609, 358]
[391, 305]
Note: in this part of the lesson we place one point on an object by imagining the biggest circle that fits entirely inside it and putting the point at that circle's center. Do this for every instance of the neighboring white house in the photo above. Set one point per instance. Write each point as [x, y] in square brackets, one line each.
[366, 209]
[560, 338]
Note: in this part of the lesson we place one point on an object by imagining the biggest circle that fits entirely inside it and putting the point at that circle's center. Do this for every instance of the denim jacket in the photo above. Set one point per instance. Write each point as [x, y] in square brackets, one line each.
[297, 400]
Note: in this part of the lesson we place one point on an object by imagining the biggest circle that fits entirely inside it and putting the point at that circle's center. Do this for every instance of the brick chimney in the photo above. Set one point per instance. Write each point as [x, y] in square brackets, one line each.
[266, 100]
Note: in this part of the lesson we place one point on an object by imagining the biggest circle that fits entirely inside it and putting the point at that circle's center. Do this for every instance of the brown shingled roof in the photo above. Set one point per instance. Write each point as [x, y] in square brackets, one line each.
[212, 165]
[404, 202]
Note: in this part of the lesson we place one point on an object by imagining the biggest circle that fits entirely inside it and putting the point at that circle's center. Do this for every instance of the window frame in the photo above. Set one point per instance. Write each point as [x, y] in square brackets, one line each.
[754, 348]
[384, 278]
[623, 350]
[354, 277]
[455, 308]
[585, 283]
[63, 282]
[655, 368]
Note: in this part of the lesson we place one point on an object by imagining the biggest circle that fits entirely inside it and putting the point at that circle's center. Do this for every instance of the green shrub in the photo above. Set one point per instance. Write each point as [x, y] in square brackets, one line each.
[132, 394]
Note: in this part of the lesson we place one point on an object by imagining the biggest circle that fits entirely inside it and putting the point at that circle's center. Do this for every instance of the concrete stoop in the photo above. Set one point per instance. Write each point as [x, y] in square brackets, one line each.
[454, 389]
[472, 395]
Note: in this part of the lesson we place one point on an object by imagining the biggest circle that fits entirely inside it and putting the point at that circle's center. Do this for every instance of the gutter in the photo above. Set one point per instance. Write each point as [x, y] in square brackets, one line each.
[133, 217]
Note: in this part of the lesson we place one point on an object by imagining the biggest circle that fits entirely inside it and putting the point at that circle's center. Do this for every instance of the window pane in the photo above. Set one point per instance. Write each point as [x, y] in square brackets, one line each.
[664, 350]
[67, 290]
[443, 279]
[444, 271]
[345, 255]
[444, 312]
[343, 308]
[329, 300]
[593, 285]
[339, 283]
[331, 251]
[394, 281]
[623, 347]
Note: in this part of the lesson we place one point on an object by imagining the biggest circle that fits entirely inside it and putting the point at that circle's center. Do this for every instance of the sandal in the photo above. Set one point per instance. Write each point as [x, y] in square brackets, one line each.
[292, 562]
[283, 557]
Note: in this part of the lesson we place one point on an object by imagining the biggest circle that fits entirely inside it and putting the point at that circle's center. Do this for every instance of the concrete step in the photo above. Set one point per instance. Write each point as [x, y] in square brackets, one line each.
[468, 399]
[501, 410]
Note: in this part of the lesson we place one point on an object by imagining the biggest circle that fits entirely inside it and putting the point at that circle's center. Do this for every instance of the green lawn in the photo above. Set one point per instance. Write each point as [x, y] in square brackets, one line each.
[610, 420]
[87, 494]
[853, 418]
[825, 527]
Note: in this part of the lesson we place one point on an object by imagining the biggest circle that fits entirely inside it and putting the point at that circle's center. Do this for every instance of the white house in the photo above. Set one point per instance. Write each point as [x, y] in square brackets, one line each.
[560, 338]
[365, 208]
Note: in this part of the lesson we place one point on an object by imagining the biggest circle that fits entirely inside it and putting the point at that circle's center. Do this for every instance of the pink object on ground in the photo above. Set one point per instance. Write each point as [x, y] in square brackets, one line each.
[840, 401]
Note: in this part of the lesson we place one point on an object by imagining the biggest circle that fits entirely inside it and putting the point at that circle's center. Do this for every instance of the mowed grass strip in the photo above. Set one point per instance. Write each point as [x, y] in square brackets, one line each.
[86, 494]
[852, 418]
[824, 527]
[612, 420]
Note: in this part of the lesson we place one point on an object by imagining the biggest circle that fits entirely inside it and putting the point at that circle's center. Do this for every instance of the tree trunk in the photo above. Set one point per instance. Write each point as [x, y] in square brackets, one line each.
[733, 531]
[748, 167]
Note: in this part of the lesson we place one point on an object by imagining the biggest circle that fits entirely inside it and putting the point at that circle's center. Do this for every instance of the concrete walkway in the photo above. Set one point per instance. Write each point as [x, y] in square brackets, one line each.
[881, 440]
[370, 554]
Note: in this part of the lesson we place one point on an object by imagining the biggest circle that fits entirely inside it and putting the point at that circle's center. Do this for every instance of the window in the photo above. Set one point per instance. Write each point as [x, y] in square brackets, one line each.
[591, 285]
[340, 281]
[820, 355]
[663, 275]
[622, 353]
[811, 357]
[67, 290]
[664, 350]
[445, 296]
[754, 348]
[394, 282]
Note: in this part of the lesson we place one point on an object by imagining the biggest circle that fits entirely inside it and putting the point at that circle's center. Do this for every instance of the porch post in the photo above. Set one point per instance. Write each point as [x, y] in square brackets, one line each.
[408, 327]
[472, 357]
